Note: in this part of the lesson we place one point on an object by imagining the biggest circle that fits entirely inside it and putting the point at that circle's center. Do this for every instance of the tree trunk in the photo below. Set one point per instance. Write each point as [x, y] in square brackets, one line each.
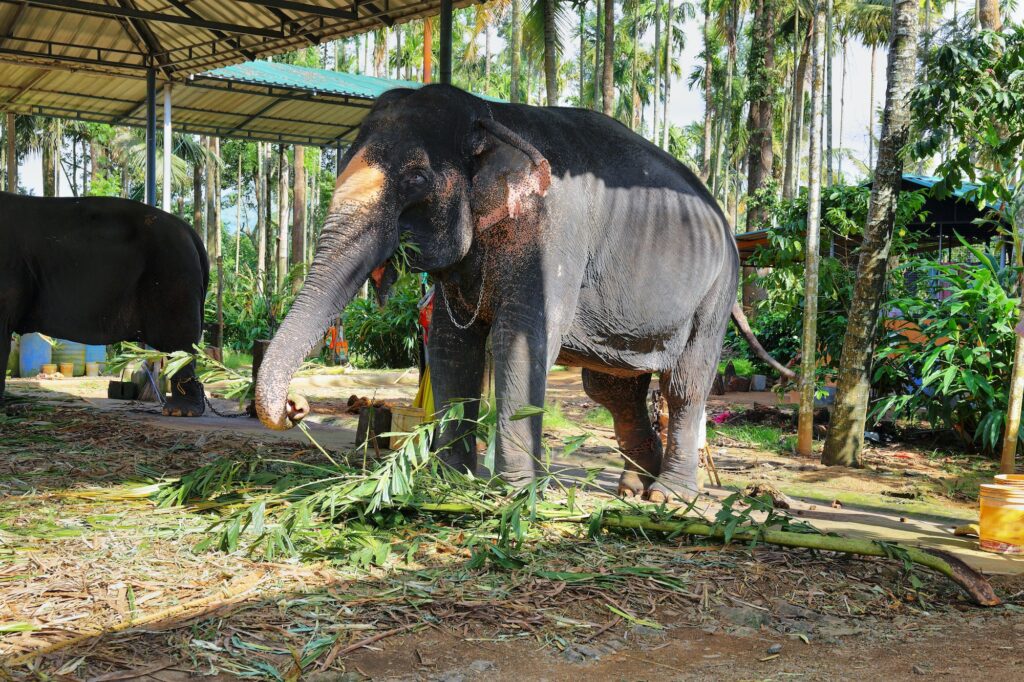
[49, 170]
[515, 94]
[428, 49]
[608, 72]
[842, 113]
[846, 430]
[1008, 453]
[870, 115]
[583, 50]
[282, 217]
[598, 61]
[550, 58]
[262, 201]
[218, 231]
[298, 252]
[635, 105]
[828, 91]
[197, 201]
[487, 57]
[791, 178]
[761, 95]
[238, 216]
[988, 15]
[709, 106]
[211, 197]
[665, 127]
[398, 52]
[809, 342]
[656, 98]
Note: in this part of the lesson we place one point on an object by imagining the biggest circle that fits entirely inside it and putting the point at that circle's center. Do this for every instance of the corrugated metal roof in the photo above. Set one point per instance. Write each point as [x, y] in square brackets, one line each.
[320, 81]
[182, 37]
[279, 103]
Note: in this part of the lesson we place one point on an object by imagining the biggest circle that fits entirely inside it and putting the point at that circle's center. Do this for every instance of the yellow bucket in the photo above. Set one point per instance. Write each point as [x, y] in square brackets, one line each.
[1010, 479]
[67, 369]
[49, 368]
[1002, 518]
[404, 419]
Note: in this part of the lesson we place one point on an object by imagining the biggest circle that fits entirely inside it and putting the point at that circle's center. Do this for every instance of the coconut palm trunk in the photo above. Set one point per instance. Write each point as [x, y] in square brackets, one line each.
[656, 98]
[665, 128]
[550, 56]
[298, 250]
[846, 430]
[808, 345]
[517, 47]
[608, 72]
[709, 106]
[262, 199]
[282, 217]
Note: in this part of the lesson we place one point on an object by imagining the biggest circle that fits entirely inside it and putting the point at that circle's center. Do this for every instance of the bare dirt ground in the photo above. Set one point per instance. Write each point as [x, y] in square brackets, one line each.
[107, 586]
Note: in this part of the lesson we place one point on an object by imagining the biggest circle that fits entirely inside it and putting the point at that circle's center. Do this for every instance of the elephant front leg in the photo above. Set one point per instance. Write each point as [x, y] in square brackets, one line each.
[456, 358]
[187, 396]
[524, 350]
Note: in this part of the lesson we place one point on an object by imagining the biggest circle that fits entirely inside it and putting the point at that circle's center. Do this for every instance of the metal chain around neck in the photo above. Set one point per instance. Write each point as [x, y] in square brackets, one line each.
[479, 301]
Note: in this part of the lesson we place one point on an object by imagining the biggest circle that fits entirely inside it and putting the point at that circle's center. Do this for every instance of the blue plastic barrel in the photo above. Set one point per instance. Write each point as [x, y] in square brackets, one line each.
[35, 352]
[70, 351]
[96, 354]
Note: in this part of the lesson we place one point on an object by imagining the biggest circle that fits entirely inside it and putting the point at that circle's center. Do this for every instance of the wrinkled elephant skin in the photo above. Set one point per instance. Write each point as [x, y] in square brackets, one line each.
[558, 232]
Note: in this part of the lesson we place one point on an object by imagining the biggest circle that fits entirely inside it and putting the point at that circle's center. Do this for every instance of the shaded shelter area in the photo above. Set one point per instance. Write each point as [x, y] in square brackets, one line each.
[104, 61]
[944, 218]
[264, 101]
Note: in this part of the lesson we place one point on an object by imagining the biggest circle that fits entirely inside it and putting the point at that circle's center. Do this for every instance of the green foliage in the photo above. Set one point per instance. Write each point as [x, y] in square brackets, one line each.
[779, 319]
[384, 336]
[248, 314]
[958, 376]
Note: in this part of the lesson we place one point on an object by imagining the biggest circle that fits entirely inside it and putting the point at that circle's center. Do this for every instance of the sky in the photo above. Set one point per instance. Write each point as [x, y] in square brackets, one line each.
[687, 106]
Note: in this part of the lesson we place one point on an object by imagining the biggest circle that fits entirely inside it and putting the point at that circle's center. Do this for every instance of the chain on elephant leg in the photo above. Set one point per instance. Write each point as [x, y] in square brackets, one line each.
[642, 465]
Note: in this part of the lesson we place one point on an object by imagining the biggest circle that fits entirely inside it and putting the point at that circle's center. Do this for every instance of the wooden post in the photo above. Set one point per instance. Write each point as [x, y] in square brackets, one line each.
[428, 51]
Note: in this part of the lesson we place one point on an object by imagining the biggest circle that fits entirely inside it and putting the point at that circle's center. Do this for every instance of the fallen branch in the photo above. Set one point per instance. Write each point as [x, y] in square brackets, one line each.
[972, 582]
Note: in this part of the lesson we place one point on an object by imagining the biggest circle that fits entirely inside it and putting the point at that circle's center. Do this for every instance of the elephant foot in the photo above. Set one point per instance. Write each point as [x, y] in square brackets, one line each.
[175, 407]
[631, 485]
[682, 494]
[187, 398]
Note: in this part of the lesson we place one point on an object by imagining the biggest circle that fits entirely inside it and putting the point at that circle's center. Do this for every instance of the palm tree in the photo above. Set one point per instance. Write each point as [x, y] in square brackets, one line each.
[761, 95]
[846, 429]
[871, 21]
[608, 74]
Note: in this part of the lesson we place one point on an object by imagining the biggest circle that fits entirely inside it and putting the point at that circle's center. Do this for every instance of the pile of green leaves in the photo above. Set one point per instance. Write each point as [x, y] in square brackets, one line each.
[958, 377]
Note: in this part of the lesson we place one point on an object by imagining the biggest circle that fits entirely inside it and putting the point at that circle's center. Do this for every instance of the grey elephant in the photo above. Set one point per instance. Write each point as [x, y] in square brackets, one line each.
[561, 234]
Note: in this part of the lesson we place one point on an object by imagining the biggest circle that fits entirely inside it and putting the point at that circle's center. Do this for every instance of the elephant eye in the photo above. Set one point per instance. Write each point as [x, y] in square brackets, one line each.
[415, 180]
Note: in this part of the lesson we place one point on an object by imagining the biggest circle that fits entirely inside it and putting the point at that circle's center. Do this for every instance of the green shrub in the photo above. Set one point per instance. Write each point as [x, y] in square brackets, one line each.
[958, 377]
[385, 337]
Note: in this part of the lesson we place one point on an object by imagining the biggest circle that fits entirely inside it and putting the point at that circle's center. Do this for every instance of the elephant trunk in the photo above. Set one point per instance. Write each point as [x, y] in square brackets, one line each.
[345, 256]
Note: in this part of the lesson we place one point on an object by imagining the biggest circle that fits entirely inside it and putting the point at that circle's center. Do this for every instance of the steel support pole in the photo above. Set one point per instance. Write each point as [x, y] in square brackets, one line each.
[166, 199]
[446, 41]
[151, 137]
[12, 156]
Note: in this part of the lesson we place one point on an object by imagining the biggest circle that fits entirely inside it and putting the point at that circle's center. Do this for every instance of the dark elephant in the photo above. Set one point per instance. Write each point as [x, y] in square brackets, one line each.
[101, 270]
[562, 234]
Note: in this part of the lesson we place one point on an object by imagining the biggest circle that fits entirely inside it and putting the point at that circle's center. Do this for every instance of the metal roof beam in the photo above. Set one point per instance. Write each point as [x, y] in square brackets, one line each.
[188, 11]
[306, 8]
[82, 7]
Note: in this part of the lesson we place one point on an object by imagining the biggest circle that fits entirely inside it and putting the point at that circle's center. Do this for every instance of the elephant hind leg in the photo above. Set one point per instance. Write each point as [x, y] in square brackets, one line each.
[626, 399]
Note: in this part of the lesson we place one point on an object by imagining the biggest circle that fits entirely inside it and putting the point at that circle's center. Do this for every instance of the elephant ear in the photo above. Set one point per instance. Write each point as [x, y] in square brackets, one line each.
[382, 278]
[509, 171]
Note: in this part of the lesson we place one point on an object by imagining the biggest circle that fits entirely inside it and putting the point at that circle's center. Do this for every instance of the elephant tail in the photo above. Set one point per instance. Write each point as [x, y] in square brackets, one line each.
[743, 325]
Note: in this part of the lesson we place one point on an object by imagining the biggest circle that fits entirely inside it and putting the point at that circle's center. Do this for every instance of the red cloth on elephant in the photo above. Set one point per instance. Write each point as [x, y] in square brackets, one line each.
[426, 312]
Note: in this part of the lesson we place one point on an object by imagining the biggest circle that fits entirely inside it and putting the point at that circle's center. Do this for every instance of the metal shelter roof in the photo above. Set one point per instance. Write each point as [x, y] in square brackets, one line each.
[181, 37]
[280, 103]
